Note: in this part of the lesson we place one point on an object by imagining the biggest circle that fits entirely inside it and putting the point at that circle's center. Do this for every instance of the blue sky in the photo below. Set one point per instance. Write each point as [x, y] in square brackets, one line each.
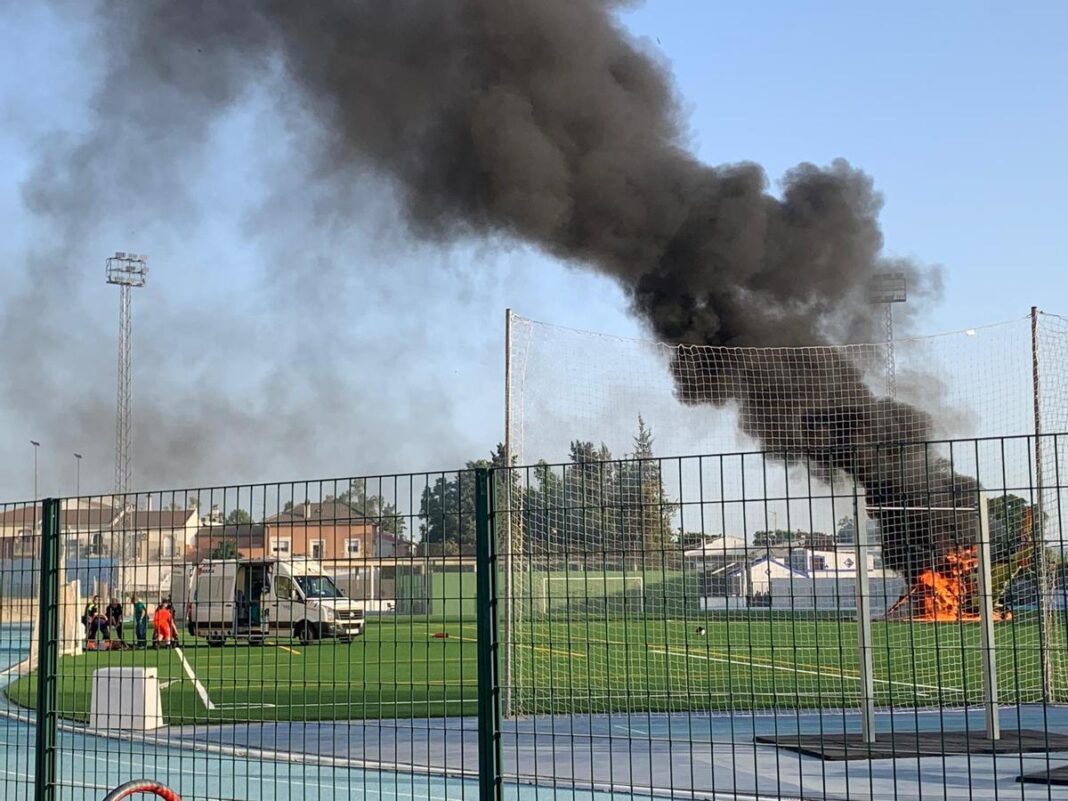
[958, 110]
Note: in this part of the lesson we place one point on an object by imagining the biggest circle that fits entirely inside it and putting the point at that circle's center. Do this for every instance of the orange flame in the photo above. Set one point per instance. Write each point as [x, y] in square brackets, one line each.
[944, 596]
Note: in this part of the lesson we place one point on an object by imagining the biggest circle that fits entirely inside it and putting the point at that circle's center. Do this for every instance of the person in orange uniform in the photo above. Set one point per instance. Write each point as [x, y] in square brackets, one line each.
[163, 623]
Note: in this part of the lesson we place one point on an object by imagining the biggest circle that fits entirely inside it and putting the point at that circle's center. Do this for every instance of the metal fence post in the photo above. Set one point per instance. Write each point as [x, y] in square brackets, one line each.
[489, 688]
[47, 654]
[986, 617]
[864, 639]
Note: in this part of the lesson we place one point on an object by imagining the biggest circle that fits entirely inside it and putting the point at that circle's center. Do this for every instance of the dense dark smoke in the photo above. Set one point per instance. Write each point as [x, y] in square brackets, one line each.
[542, 120]
[812, 406]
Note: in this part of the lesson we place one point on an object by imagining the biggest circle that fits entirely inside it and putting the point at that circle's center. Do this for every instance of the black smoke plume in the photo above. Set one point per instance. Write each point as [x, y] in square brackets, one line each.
[542, 120]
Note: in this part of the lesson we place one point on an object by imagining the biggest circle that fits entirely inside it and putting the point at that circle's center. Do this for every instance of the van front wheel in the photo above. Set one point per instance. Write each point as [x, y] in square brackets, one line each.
[307, 633]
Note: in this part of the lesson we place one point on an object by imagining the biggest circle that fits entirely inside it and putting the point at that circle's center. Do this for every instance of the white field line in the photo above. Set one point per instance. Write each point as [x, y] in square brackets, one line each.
[202, 691]
[25, 667]
[792, 669]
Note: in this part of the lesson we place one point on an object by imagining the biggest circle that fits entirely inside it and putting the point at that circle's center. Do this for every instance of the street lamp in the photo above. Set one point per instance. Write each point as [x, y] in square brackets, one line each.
[36, 445]
[78, 475]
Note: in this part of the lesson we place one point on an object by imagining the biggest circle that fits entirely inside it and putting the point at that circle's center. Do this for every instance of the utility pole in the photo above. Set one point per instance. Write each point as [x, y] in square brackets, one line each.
[889, 288]
[127, 271]
[78, 475]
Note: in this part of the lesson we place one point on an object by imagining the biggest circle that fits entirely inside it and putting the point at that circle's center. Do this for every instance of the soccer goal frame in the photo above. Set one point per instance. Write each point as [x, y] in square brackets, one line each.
[549, 594]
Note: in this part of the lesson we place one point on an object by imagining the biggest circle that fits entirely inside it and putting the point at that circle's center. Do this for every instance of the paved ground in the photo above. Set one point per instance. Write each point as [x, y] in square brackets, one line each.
[686, 755]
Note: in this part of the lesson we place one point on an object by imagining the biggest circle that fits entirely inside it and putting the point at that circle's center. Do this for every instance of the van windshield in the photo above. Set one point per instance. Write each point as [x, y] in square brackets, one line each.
[318, 587]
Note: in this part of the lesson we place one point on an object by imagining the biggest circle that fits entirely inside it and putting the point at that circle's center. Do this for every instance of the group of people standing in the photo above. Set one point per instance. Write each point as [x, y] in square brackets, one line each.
[100, 621]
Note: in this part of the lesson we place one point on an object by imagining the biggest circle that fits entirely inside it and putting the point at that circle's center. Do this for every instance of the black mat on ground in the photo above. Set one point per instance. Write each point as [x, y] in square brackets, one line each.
[900, 745]
[1051, 776]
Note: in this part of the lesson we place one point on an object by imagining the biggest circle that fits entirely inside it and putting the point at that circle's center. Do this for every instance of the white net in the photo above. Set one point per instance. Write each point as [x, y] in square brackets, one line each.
[746, 548]
[568, 384]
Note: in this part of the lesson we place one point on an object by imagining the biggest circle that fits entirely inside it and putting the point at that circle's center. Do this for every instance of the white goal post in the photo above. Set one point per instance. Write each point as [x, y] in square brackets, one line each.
[592, 592]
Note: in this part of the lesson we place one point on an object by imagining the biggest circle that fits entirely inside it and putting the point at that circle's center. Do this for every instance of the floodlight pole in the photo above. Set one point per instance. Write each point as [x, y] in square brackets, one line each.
[127, 271]
[1038, 519]
[889, 288]
[77, 475]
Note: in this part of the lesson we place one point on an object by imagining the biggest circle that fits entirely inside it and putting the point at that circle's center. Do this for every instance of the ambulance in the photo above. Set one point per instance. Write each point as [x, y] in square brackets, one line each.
[251, 599]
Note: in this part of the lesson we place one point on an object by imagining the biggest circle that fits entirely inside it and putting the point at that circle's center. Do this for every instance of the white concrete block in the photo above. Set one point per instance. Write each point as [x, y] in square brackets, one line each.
[126, 699]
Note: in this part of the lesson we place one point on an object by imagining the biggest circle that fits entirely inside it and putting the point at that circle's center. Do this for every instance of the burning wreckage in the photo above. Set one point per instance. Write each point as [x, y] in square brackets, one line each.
[874, 447]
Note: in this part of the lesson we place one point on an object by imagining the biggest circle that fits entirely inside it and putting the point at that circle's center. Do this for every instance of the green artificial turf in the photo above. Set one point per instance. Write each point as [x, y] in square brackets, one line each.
[397, 669]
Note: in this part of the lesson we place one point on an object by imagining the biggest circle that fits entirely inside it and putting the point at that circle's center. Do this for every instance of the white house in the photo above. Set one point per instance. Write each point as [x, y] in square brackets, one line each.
[734, 574]
[827, 579]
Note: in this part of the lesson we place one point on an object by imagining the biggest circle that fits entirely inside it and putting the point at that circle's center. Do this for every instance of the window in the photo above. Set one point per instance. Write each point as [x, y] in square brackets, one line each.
[352, 547]
[282, 545]
[316, 548]
[819, 562]
[284, 588]
[318, 587]
[167, 549]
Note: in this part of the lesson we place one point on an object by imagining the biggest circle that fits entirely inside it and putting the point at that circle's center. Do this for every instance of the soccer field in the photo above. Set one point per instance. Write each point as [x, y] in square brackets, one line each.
[398, 669]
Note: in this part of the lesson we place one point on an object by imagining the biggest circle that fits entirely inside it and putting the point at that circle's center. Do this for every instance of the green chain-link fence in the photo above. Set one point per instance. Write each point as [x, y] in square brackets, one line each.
[751, 625]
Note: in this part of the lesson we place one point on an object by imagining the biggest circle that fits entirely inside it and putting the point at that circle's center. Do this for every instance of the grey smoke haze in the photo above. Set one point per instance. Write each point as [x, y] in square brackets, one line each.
[543, 122]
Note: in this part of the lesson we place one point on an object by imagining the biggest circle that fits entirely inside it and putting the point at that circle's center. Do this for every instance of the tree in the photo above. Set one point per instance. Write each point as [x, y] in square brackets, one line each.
[365, 497]
[227, 549]
[447, 507]
[847, 531]
[774, 539]
[1011, 526]
[542, 509]
[238, 517]
[589, 488]
[647, 509]
[439, 509]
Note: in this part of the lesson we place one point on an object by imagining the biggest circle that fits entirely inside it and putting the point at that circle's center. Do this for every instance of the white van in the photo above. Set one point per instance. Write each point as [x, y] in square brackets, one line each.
[249, 599]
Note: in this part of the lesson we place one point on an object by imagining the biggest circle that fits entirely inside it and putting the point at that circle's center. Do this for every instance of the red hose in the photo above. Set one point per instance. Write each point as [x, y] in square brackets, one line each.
[142, 786]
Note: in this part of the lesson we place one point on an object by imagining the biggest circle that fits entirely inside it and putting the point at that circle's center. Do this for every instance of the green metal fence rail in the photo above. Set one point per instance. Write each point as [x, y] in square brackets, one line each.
[489, 708]
[745, 626]
[47, 653]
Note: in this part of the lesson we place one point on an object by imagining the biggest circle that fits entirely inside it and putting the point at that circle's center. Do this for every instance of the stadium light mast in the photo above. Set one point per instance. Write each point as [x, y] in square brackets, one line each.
[125, 270]
[889, 288]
